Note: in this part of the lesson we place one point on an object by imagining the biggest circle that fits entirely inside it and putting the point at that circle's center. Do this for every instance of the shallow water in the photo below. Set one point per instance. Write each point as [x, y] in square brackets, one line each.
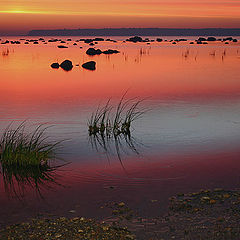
[187, 140]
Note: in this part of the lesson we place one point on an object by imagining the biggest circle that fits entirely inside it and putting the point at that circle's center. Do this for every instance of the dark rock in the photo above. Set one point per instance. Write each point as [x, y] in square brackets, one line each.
[53, 40]
[62, 42]
[91, 44]
[89, 65]
[5, 42]
[88, 40]
[199, 42]
[174, 43]
[110, 51]
[41, 39]
[92, 52]
[226, 42]
[35, 42]
[15, 42]
[211, 39]
[159, 39]
[55, 65]
[201, 39]
[98, 39]
[180, 40]
[61, 46]
[69, 39]
[74, 44]
[235, 40]
[26, 43]
[228, 39]
[191, 43]
[135, 39]
[66, 65]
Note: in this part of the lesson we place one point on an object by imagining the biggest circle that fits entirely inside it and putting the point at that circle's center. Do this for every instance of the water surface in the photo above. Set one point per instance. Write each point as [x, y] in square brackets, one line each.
[188, 140]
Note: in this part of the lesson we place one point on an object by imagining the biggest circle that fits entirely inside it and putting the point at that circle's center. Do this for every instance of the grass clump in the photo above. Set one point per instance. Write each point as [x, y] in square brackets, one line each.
[21, 149]
[106, 123]
[25, 160]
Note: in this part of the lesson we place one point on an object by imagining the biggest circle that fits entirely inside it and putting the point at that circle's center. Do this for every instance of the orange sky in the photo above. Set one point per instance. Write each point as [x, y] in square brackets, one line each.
[19, 16]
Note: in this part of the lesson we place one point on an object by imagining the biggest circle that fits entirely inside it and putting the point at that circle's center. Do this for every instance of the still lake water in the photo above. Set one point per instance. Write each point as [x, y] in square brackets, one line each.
[187, 141]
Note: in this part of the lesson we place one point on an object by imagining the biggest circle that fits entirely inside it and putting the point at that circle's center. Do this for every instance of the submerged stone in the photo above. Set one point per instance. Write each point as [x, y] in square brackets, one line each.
[89, 65]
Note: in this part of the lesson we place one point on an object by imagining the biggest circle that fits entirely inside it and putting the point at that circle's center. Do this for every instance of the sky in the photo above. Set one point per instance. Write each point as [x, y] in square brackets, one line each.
[20, 16]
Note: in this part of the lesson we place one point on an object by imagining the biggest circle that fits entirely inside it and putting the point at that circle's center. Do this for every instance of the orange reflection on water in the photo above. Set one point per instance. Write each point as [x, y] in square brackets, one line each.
[156, 70]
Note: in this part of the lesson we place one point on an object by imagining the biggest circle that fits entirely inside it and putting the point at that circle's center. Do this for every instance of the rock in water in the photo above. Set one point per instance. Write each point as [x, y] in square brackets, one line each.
[66, 65]
[92, 51]
[89, 65]
[54, 65]
[134, 39]
[62, 46]
[211, 39]
[110, 51]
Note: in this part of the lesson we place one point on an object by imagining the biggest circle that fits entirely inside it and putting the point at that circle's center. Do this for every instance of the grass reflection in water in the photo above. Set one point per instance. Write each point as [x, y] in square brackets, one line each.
[28, 160]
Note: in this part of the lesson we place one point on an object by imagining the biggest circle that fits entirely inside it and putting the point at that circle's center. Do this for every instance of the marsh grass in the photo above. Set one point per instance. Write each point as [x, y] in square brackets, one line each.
[104, 122]
[26, 159]
[21, 149]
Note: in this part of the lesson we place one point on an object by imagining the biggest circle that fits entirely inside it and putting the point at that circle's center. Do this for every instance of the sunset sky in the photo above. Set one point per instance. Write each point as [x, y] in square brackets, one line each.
[20, 16]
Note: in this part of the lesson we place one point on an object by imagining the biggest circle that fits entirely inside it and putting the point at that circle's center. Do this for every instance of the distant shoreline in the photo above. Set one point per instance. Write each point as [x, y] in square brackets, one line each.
[138, 31]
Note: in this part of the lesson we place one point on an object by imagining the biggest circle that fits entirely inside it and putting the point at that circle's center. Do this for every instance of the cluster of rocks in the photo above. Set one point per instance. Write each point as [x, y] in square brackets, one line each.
[200, 40]
[135, 39]
[93, 51]
[67, 65]
[138, 39]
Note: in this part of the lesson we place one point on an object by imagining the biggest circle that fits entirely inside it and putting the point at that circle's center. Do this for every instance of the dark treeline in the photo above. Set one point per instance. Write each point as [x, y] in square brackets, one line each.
[138, 31]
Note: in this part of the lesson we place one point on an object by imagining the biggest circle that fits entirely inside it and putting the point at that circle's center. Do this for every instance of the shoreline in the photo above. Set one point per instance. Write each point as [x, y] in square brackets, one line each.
[208, 214]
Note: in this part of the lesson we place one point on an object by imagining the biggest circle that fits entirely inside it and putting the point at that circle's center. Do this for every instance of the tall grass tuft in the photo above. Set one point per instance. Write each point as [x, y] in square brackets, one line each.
[18, 148]
[103, 121]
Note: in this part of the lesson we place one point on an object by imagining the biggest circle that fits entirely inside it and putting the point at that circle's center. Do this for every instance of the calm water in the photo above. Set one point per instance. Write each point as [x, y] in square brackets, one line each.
[188, 140]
